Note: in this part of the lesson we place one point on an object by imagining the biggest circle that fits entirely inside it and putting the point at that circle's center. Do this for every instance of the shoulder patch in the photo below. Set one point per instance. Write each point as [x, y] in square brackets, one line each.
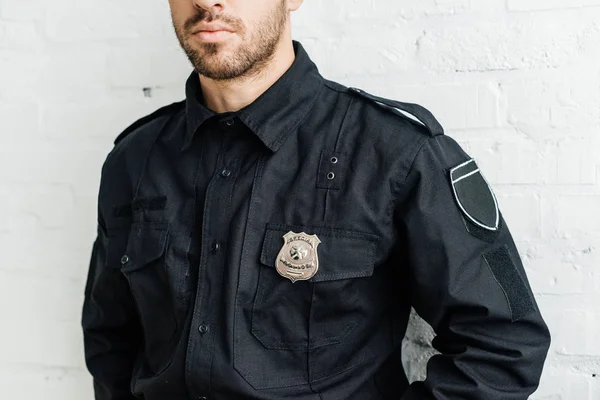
[474, 195]
[412, 111]
[163, 110]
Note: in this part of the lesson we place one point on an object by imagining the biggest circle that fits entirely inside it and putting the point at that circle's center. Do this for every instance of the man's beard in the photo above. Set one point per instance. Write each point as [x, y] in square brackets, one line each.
[249, 58]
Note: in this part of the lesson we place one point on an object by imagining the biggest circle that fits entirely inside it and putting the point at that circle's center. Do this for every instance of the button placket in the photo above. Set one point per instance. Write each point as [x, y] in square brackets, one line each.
[216, 209]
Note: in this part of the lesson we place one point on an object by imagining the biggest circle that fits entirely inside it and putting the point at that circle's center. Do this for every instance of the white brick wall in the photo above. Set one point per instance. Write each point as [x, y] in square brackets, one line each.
[517, 82]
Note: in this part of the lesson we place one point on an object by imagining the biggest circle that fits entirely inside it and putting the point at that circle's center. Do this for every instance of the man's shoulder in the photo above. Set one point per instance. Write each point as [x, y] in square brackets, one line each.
[148, 121]
[125, 159]
[392, 112]
[395, 131]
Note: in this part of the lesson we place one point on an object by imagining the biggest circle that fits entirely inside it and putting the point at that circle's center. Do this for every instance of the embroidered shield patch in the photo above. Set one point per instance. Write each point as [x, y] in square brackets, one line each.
[474, 195]
[298, 259]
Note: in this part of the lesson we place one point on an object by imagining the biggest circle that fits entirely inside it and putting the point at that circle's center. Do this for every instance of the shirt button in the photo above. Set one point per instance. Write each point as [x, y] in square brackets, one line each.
[215, 247]
[203, 329]
[226, 123]
[202, 398]
[225, 173]
[125, 259]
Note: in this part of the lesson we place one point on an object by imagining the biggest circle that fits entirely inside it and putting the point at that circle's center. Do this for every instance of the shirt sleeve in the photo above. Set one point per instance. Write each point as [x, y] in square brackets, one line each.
[468, 282]
[110, 324]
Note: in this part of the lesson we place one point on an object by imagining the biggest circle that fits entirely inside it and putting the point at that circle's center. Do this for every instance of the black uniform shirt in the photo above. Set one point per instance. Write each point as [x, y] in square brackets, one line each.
[276, 251]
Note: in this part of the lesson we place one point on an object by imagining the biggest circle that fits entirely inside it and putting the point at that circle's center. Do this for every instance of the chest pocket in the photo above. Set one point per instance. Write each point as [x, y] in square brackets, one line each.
[322, 310]
[144, 264]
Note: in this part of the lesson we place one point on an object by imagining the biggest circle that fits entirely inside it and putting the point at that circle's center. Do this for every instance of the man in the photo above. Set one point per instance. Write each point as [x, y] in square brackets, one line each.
[266, 237]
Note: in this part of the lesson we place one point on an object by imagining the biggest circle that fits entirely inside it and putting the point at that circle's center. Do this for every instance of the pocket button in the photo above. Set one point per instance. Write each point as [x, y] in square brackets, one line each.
[203, 329]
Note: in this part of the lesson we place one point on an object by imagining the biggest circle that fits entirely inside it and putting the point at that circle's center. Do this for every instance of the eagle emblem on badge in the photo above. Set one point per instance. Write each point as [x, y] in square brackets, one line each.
[298, 260]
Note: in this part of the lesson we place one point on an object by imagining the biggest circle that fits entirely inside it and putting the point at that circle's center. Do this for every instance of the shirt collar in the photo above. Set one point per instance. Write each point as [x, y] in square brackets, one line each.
[275, 113]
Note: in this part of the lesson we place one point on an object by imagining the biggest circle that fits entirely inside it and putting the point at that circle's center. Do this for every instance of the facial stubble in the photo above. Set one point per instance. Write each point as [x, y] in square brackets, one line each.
[251, 56]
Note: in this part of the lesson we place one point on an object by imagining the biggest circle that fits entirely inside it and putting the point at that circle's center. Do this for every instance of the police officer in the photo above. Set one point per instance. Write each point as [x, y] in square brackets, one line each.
[267, 236]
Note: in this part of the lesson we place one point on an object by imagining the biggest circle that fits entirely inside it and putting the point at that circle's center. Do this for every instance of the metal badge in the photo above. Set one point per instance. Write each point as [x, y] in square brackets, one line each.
[298, 260]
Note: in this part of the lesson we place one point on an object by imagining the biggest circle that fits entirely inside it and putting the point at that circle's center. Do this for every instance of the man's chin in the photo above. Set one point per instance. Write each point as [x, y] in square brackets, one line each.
[216, 70]
[214, 51]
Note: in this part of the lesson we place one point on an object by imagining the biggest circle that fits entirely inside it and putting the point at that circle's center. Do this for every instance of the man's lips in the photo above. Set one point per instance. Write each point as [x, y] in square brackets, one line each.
[212, 36]
[211, 28]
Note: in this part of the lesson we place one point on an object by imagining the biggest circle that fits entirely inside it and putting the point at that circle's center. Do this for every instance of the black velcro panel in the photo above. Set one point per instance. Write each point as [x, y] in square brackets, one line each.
[145, 203]
[149, 203]
[507, 275]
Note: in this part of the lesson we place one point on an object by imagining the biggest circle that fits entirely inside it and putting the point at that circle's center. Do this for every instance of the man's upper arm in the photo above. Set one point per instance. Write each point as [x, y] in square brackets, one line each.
[467, 280]
[109, 319]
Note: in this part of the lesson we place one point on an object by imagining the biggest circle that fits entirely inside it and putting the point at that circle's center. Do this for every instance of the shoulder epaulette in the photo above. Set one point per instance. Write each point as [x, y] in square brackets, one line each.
[163, 110]
[415, 111]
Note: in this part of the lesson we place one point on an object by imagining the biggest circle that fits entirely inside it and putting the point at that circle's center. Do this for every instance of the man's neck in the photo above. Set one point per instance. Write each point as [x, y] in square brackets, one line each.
[232, 95]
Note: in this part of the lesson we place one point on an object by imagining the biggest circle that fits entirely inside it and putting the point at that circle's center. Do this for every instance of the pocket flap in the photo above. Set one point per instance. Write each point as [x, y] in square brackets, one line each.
[342, 253]
[147, 242]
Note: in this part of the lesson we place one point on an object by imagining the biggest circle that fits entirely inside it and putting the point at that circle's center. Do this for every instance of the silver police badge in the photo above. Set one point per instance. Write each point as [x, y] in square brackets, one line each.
[297, 260]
